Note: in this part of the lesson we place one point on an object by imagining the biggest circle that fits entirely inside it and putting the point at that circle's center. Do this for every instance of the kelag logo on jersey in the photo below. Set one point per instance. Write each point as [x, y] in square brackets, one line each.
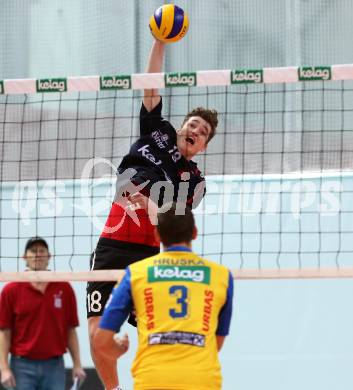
[166, 273]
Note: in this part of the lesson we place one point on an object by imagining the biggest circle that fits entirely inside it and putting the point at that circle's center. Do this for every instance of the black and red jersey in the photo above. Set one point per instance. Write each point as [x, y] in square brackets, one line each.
[155, 167]
[156, 158]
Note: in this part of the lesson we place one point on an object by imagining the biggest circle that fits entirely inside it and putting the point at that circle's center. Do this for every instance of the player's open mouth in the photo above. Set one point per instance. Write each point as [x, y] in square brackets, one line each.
[190, 140]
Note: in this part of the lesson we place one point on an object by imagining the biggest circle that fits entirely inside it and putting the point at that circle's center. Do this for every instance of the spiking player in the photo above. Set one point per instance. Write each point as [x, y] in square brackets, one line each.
[183, 308]
[161, 154]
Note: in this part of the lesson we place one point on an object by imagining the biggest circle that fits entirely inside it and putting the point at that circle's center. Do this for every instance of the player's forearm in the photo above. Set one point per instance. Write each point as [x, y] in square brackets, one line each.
[5, 342]
[147, 204]
[155, 64]
[73, 347]
[105, 346]
[155, 60]
[220, 341]
[107, 370]
[106, 352]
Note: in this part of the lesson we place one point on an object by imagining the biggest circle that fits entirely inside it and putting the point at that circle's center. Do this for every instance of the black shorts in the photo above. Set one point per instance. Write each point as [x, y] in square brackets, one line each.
[112, 254]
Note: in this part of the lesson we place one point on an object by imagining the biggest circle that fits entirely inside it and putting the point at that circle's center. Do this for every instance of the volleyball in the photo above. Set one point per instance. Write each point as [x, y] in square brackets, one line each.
[169, 23]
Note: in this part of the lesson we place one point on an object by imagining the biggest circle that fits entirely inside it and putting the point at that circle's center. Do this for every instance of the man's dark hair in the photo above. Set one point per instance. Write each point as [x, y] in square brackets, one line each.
[176, 224]
[210, 116]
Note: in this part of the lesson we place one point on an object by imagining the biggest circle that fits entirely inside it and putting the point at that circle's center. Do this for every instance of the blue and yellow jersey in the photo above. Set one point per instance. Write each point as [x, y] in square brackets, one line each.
[182, 302]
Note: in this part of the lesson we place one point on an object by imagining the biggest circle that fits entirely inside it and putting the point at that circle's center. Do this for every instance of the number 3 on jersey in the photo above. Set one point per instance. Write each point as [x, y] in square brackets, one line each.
[181, 294]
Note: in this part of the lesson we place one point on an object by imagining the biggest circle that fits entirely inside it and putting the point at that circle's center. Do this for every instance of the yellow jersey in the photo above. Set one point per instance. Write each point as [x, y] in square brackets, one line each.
[182, 302]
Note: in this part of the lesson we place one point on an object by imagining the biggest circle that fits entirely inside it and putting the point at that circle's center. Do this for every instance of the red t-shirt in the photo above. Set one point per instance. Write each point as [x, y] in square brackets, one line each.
[39, 322]
[132, 226]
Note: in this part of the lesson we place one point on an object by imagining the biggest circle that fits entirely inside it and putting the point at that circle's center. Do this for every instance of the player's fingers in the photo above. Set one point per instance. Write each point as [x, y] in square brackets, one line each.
[133, 196]
[137, 196]
[125, 341]
[119, 340]
[9, 383]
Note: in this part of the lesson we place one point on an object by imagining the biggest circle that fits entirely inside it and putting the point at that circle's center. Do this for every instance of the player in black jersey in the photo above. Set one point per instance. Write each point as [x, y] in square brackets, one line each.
[161, 157]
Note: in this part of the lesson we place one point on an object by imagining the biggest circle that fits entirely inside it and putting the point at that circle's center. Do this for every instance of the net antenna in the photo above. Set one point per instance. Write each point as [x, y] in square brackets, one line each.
[279, 171]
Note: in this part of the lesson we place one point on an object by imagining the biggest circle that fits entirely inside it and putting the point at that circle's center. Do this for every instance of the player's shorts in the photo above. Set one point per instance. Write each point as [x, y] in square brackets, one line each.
[112, 254]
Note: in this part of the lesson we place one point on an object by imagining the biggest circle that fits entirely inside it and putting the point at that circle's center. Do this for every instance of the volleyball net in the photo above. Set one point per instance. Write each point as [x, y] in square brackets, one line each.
[279, 171]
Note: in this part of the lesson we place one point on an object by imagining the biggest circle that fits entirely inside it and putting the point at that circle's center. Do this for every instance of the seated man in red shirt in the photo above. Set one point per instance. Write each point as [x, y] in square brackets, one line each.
[37, 325]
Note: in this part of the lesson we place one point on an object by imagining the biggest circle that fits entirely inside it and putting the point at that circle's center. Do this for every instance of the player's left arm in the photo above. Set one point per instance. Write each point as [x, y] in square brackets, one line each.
[220, 342]
[225, 314]
[115, 314]
[151, 97]
[107, 351]
[110, 347]
[146, 203]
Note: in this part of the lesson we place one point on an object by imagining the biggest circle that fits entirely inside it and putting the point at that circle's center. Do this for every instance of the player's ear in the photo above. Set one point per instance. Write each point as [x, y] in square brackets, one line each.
[204, 148]
[194, 233]
[178, 131]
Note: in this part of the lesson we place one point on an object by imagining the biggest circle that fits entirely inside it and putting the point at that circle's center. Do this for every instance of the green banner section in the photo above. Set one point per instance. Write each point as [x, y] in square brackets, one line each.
[115, 82]
[51, 85]
[246, 76]
[2, 89]
[180, 79]
[314, 73]
[167, 273]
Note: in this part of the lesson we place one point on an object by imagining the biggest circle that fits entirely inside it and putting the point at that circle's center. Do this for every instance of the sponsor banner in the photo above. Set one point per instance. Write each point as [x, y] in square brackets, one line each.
[246, 76]
[180, 79]
[314, 73]
[2, 89]
[188, 338]
[51, 85]
[115, 82]
[166, 273]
